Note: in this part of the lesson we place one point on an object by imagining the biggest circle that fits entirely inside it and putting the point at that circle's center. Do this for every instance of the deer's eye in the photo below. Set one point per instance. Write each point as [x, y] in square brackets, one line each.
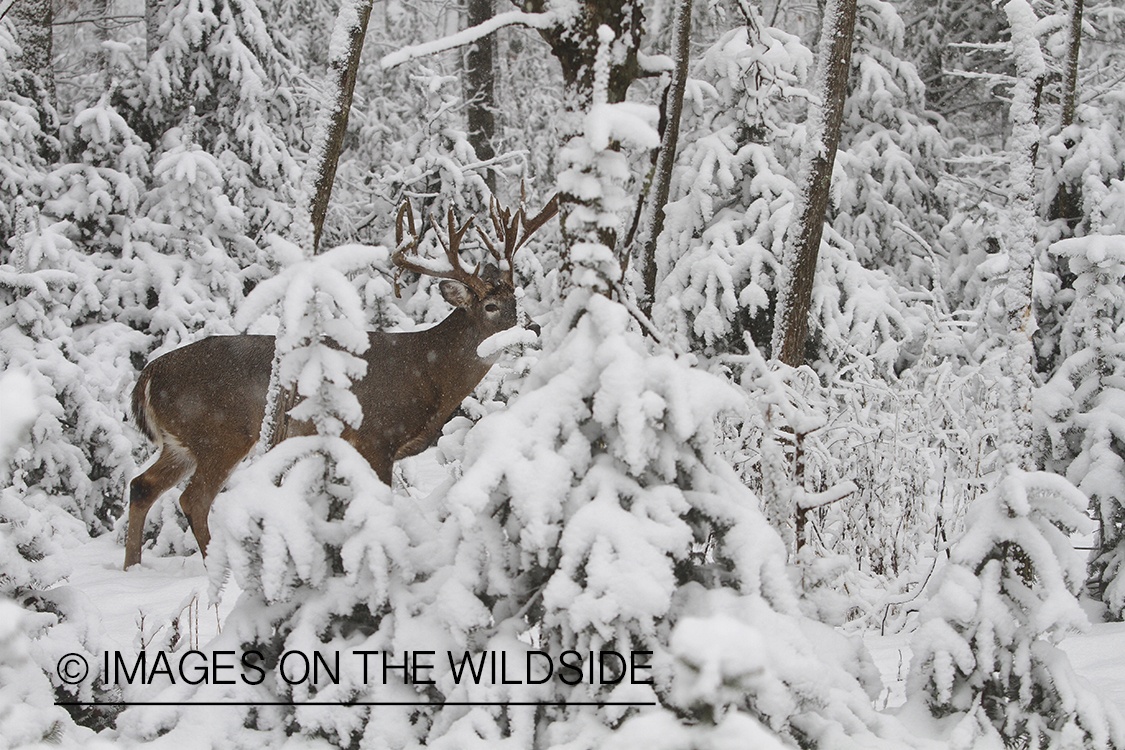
[491, 307]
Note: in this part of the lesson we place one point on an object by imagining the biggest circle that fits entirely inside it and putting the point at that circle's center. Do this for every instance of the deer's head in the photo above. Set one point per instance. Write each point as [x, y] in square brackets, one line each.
[487, 293]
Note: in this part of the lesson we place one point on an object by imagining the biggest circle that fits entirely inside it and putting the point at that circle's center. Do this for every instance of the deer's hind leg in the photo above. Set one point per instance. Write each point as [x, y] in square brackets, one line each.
[172, 465]
[201, 491]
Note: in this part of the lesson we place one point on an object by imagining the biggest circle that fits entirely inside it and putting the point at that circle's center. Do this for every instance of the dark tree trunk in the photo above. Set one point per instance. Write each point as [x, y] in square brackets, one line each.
[662, 179]
[479, 90]
[1070, 78]
[576, 46]
[342, 72]
[791, 320]
[331, 127]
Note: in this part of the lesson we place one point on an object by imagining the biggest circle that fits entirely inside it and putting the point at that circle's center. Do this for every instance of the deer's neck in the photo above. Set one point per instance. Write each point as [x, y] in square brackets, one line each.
[453, 345]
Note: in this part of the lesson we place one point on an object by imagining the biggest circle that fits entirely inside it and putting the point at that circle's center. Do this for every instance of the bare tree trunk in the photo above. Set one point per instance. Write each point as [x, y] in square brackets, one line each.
[332, 124]
[662, 179]
[576, 46]
[1070, 78]
[798, 266]
[333, 121]
[33, 19]
[479, 90]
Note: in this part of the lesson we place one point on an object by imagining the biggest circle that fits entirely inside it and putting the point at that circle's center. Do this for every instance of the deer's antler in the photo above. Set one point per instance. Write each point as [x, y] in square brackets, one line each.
[507, 227]
[457, 272]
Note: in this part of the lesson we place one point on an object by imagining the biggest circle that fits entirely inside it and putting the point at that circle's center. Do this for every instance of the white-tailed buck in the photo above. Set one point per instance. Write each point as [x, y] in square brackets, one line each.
[203, 404]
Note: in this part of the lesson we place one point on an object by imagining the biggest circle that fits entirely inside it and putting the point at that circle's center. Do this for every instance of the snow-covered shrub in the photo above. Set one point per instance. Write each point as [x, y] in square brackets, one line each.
[745, 675]
[221, 71]
[1083, 405]
[985, 654]
[27, 144]
[52, 330]
[38, 522]
[884, 197]
[28, 715]
[915, 446]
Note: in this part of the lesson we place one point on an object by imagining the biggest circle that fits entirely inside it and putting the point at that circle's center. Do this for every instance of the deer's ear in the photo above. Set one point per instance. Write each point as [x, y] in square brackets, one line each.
[456, 293]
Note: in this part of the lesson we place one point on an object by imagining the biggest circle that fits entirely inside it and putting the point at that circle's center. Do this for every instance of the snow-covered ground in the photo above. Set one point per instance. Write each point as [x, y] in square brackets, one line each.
[1098, 655]
[157, 591]
[161, 589]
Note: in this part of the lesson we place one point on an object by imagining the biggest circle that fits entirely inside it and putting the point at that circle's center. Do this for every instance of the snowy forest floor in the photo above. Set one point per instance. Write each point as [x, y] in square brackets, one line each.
[164, 589]
[1098, 655]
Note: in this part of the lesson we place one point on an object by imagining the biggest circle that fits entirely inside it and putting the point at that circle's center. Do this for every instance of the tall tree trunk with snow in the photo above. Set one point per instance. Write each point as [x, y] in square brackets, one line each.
[798, 268]
[480, 95]
[1015, 446]
[332, 124]
[662, 179]
[343, 63]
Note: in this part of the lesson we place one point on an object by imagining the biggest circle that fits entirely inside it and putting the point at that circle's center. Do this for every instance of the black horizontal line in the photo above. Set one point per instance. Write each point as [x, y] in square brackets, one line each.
[355, 703]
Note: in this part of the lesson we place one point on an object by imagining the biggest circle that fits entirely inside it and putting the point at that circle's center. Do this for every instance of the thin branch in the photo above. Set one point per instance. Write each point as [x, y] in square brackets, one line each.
[122, 20]
[467, 36]
[1111, 86]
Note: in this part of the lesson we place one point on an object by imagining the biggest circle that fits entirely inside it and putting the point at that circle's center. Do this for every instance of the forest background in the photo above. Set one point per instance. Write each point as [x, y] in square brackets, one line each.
[940, 456]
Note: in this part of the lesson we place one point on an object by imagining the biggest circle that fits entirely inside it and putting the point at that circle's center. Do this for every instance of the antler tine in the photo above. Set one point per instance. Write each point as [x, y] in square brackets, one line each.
[406, 211]
[531, 226]
[546, 214]
[507, 225]
[456, 273]
[399, 255]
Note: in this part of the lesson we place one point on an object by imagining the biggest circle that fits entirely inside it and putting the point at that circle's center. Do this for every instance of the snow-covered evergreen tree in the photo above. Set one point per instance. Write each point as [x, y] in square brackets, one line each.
[716, 261]
[222, 73]
[1086, 392]
[27, 143]
[986, 653]
[191, 243]
[725, 226]
[886, 202]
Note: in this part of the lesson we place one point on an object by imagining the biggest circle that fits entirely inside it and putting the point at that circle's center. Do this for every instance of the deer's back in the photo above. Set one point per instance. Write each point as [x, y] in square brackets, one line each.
[214, 391]
[207, 392]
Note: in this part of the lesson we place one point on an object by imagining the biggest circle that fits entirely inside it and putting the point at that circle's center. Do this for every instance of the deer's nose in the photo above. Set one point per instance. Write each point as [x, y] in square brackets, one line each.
[533, 326]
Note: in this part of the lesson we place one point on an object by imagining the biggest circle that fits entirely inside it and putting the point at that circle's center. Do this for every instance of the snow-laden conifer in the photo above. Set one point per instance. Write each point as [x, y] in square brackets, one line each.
[1085, 400]
[986, 653]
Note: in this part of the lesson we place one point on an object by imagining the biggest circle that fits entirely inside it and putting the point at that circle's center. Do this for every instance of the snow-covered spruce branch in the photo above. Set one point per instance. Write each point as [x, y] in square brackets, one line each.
[539, 21]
